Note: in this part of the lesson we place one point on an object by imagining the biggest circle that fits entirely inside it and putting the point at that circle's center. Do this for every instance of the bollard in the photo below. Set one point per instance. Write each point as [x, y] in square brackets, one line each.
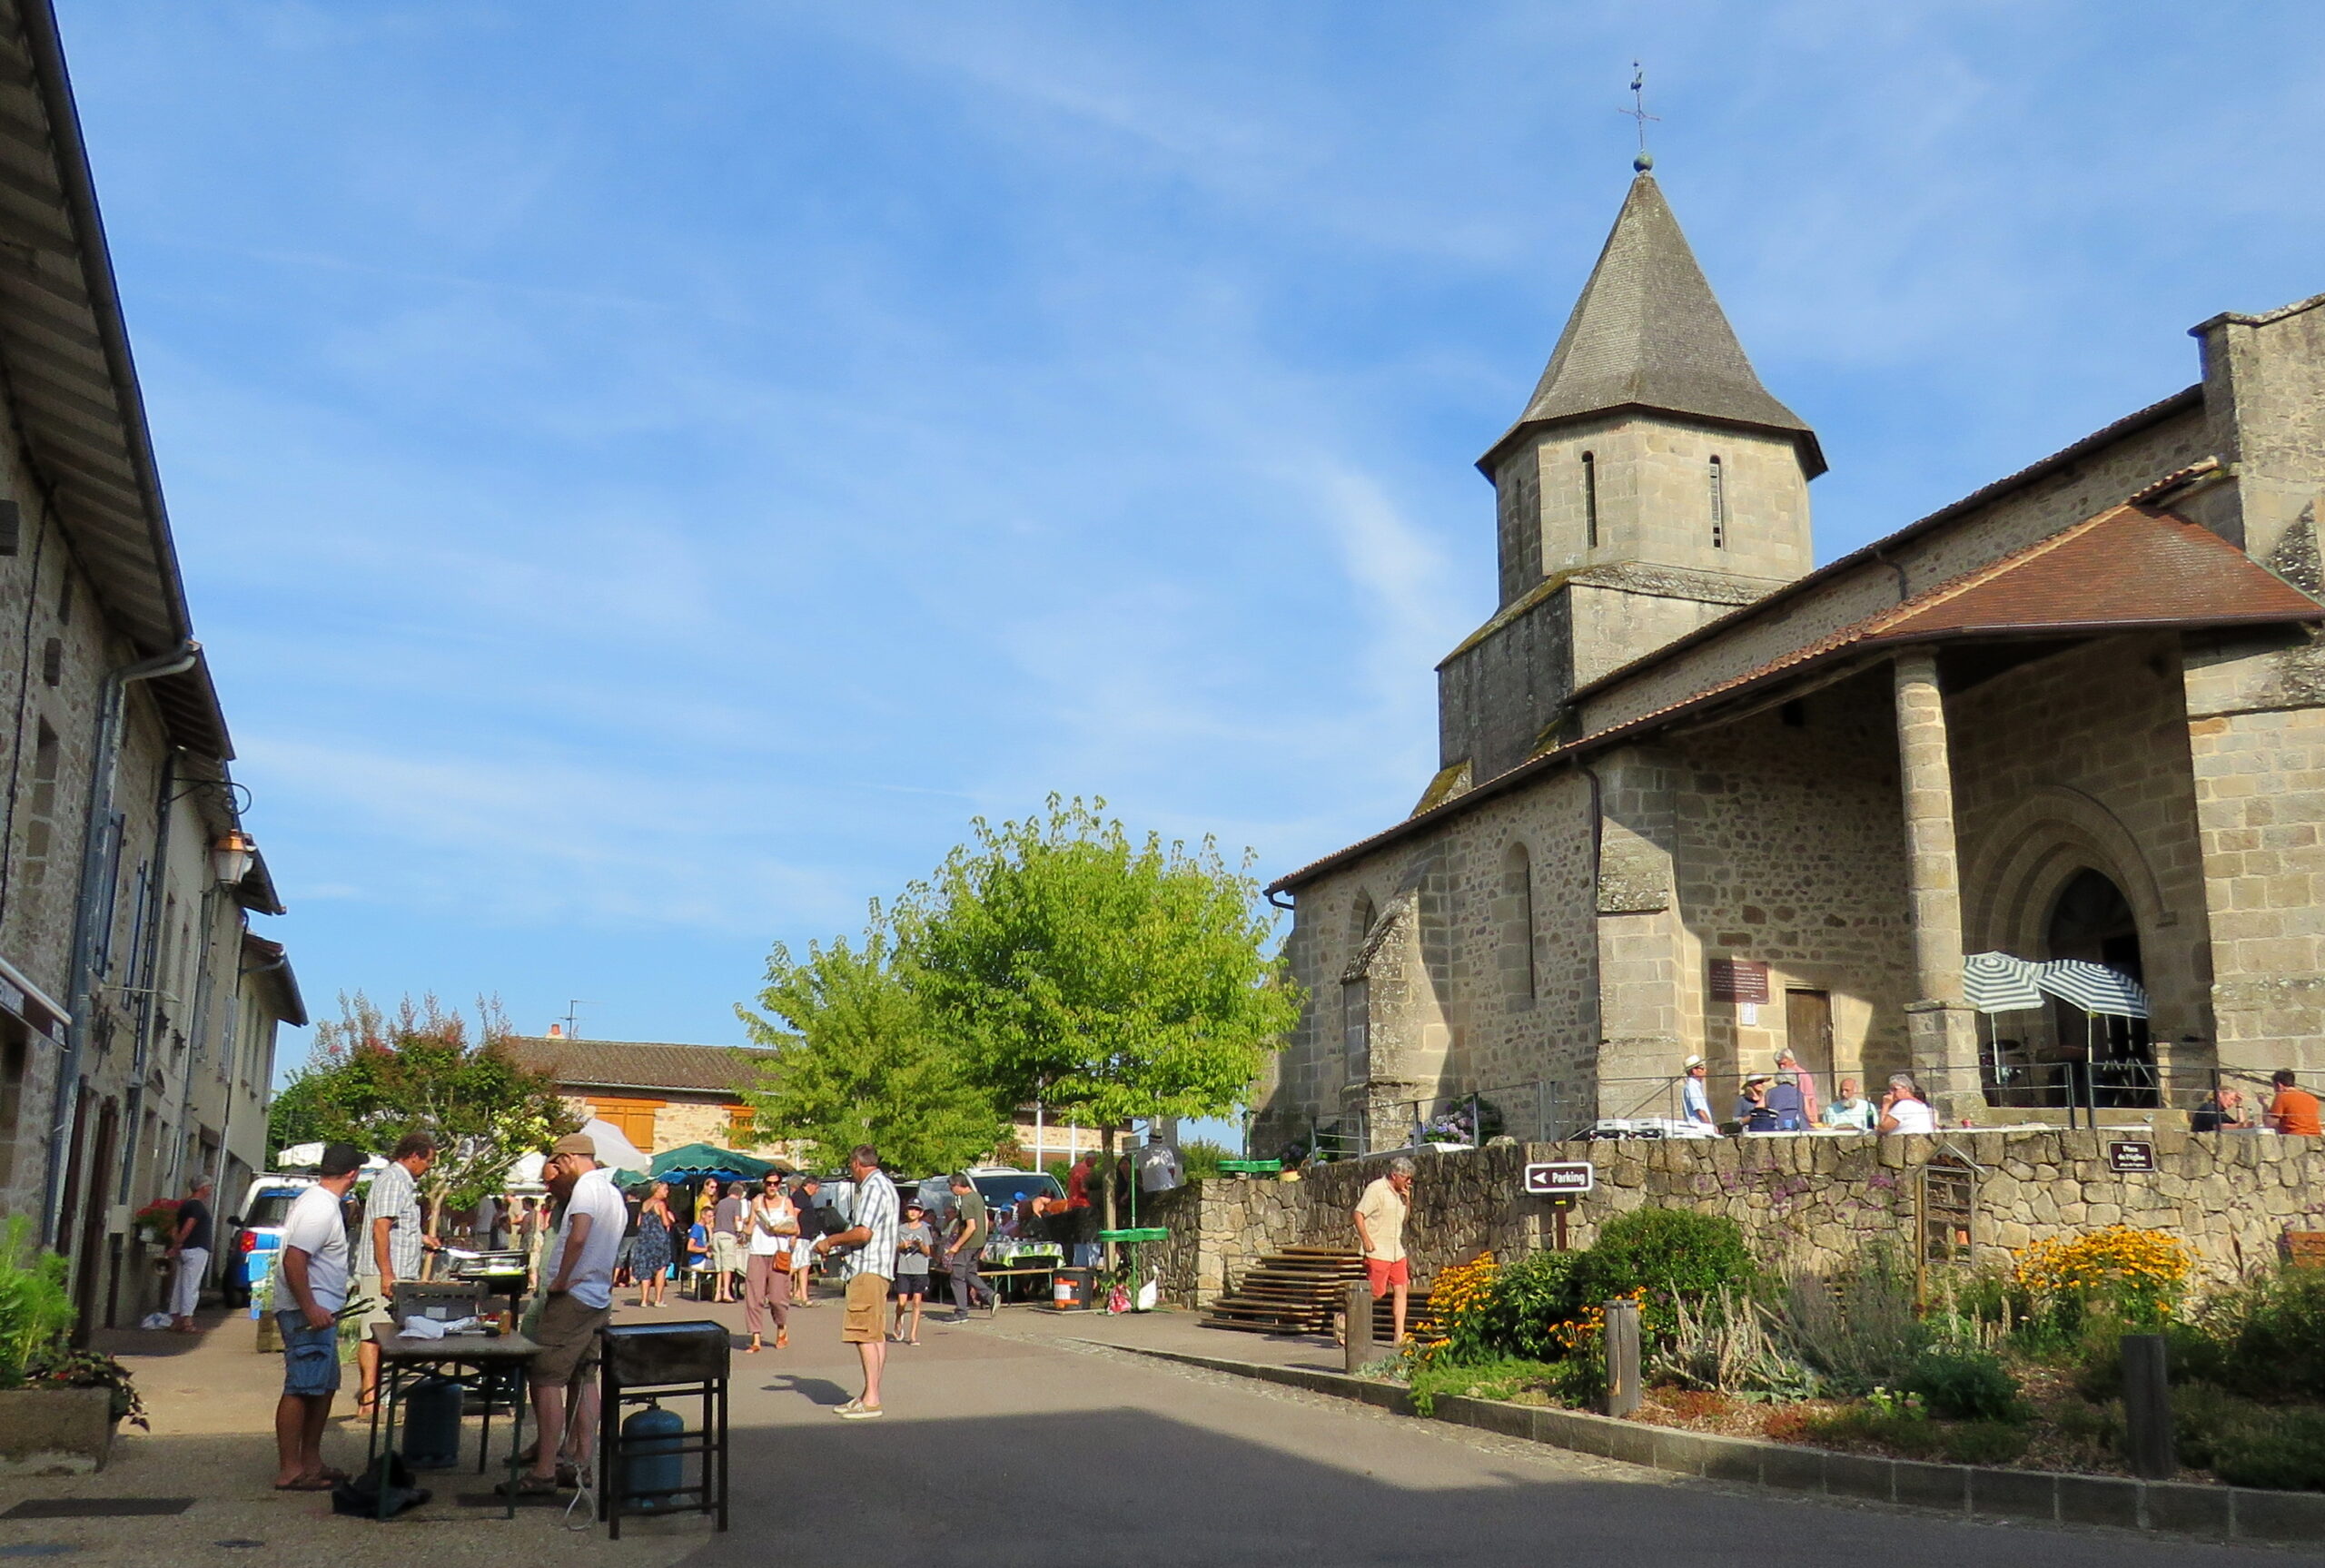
[2147, 1407]
[1356, 1316]
[1622, 1357]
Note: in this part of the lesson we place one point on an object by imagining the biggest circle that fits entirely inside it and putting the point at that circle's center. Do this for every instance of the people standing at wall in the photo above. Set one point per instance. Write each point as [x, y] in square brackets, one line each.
[189, 1249]
[1695, 1099]
[1903, 1108]
[2293, 1109]
[1380, 1231]
[314, 1272]
[771, 1227]
[915, 1245]
[1789, 1070]
[1784, 1103]
[1851, 1109]
[391, 1249]
[1753, 1112]
[870, 1244]
[650, 1258]
[727, 1227]
[963, 1246]
[577, 1303]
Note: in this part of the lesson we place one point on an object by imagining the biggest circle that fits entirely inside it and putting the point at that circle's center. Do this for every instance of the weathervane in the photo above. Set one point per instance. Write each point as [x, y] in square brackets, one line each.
[1638, 110]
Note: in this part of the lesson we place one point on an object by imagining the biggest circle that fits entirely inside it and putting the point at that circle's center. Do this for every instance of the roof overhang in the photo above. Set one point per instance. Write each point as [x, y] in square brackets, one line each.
[1803, 440]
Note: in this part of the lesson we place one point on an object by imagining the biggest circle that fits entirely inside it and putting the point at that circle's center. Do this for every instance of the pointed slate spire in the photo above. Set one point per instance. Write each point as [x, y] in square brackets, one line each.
[1649, 333]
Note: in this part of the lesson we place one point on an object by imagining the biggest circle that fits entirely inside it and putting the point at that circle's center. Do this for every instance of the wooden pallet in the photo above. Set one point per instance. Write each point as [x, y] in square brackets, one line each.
[1299, 1291]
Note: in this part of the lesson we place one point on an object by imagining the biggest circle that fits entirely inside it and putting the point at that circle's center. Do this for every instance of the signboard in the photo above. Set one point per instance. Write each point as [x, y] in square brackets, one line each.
[2128, 1156]
[1738, 980]
[1561, 1178]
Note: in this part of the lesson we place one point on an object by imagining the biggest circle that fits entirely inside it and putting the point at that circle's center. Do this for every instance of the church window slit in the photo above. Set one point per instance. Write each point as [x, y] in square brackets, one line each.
[1718, 506]
[1590, 500]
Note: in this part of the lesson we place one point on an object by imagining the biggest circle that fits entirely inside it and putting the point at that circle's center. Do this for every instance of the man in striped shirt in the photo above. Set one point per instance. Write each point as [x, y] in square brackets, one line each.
[870, 1244]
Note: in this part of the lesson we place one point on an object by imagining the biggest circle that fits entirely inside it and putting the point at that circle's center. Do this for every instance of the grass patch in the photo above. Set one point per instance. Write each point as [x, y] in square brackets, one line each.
[1507, 1377]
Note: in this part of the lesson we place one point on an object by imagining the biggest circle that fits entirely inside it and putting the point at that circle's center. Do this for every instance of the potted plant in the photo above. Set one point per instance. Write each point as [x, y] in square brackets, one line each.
[58, 1406]
[157, 1222]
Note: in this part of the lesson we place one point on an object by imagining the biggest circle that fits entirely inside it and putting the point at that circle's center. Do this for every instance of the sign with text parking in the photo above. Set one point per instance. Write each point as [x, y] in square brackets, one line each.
[1560, 1178]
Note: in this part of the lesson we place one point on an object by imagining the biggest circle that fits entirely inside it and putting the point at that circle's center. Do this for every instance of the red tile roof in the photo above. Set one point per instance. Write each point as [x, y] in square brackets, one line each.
[638, 1064]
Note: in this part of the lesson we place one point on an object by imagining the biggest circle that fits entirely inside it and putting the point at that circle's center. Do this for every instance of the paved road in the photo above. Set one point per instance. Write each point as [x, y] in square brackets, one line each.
[1006, 1445]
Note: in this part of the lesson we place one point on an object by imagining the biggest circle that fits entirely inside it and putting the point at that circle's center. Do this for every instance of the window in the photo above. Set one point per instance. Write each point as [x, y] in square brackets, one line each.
[40, 830]
[11, 1085]
[1718, 506]
[52, 661]
[742, 1126]
[1356, 1029]
[1590, 500]
[633, 1118]
[1514, 912]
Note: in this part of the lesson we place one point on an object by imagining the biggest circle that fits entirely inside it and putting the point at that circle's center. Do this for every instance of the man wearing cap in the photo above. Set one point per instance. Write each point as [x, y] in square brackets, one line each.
[1694, 1101]
[577, 1287]
[314, 1282]
[871, 1264]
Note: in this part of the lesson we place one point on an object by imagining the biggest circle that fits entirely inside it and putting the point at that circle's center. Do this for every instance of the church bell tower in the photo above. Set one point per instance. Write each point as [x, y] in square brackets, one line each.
[1652, 484]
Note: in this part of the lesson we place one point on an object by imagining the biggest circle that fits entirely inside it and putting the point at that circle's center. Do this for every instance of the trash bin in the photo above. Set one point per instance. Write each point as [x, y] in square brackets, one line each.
[1073, 1289]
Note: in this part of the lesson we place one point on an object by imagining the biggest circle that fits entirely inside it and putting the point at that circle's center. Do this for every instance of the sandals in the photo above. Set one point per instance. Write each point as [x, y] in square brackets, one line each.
[528, 1486]
[306, 1484]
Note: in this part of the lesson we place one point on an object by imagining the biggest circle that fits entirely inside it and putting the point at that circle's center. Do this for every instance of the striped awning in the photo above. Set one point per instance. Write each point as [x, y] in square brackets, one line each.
[1999, 983]
[2095, 988]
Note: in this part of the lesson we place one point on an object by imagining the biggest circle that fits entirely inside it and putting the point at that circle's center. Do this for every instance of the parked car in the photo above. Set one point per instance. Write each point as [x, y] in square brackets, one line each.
[255, 1231]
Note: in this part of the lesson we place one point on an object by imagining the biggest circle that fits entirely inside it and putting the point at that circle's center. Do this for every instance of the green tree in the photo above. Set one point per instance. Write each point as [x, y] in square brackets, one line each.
[373, 1078]
[1109, 979]
[861, 1062]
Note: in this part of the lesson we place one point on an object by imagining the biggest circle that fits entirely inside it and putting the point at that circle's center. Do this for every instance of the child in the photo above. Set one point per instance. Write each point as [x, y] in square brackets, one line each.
[698, 1251]
[916, 1242]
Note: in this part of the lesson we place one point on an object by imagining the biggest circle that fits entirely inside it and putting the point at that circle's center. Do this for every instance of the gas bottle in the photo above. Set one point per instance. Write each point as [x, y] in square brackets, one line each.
[652, 1468]
[431, 1424]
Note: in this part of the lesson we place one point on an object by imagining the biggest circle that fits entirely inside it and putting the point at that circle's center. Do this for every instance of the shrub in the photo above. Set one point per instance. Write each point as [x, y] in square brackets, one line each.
[36, 1308]
[1982, 1442]
[1526, 1302]
[1968, 1385]
[1670, 1255]
[1725, 1345]
[1459, 1299]
[1858, 1329]
[2284, 1454]
[2266, 1338]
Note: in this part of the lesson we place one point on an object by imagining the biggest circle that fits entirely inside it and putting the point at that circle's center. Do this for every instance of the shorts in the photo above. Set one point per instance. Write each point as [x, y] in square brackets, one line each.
[309, 1357]
[866, 1322]
[726, 1254]
[567, 1336]
[367, 1288]
[911, 1284]
[803, 1253]
[1385, 1276]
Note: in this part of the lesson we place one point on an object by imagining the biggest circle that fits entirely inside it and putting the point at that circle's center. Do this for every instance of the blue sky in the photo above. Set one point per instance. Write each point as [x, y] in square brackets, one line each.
[647, 477]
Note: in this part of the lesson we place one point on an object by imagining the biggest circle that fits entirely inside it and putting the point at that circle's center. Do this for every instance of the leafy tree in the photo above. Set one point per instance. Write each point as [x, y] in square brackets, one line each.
[864, 1065]
[374, 1078]
[1108, 979]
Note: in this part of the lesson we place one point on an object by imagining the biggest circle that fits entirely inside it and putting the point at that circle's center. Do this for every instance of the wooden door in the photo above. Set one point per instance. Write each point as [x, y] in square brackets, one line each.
[1808, 1032]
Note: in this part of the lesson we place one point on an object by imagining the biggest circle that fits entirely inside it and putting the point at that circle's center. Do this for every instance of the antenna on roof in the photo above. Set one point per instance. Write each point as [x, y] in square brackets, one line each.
[1638, 110]
[574, 1005]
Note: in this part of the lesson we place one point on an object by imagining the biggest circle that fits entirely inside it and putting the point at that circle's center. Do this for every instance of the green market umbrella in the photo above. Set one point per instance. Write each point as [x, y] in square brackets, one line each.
[690, 1161]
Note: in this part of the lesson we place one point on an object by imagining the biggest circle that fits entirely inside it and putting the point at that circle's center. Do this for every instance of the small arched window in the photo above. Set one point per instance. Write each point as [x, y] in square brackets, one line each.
[1514, 911]
[1356, 998]
[1718, 506]
[1590, 500]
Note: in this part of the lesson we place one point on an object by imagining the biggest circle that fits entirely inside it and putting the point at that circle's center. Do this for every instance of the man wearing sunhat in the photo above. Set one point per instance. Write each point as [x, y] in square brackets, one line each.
[1694, 1100]
[576, 1284]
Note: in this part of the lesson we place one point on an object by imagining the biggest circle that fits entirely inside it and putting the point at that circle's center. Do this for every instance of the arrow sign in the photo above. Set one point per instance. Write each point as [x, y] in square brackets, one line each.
[1560, 1177]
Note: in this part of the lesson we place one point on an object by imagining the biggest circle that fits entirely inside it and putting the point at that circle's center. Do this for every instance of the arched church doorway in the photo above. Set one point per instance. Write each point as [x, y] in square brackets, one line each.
[2092, 919]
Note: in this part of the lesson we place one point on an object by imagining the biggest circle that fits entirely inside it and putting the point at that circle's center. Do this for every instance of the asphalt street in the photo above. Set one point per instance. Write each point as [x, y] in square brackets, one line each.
[1009, 1442]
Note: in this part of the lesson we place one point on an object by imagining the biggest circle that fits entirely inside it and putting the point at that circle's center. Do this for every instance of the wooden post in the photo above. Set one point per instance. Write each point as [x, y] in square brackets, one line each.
[1356, 1314]
[1622, 1357]
[2147, 1407]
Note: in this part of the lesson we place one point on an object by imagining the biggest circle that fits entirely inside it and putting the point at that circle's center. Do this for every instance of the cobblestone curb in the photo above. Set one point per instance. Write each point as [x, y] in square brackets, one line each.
[1974, 1492]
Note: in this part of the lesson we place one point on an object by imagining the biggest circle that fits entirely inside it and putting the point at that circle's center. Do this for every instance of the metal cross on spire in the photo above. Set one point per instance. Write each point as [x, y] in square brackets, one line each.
[1638, 110]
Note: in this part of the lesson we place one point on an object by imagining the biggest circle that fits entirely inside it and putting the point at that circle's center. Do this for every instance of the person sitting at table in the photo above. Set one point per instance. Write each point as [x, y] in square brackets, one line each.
[1753, 1112]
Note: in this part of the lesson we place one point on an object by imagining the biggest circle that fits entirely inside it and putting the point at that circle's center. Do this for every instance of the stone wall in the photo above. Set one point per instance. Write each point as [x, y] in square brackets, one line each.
[1808, 1203]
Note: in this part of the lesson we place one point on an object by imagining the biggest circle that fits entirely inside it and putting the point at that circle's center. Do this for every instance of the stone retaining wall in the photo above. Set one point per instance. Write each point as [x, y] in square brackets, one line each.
[1805, 1202]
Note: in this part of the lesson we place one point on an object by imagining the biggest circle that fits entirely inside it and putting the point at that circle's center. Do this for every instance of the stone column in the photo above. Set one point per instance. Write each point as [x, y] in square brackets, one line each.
[1941, 1031]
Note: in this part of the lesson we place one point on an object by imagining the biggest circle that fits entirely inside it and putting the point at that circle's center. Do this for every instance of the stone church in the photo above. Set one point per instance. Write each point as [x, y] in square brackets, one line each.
[1698, 795]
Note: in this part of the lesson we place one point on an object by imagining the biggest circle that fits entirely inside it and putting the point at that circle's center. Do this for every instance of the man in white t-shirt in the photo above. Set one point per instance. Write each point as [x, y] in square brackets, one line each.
[314, 1288]
[578, 1281]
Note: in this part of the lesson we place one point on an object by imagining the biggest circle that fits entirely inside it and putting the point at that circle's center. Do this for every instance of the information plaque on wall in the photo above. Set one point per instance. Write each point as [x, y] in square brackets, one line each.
[1739, 980]
[2128, 1155]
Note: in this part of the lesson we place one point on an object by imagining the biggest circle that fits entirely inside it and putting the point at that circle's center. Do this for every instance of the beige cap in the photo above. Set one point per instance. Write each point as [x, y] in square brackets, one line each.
[579, 1143]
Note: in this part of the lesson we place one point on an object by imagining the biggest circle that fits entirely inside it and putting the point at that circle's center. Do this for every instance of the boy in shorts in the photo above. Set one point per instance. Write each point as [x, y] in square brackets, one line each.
[916, 1242]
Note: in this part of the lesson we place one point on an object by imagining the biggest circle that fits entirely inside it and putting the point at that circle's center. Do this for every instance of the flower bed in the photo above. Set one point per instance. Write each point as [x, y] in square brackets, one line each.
[2020, 1368]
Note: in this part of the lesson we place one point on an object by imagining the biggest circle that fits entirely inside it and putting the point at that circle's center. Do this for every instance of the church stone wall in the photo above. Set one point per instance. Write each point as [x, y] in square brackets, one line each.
[1496, 694]
[1811, 1203]
[1791, 854]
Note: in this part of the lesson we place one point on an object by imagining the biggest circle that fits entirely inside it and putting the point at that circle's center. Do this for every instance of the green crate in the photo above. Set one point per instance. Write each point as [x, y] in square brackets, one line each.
[1251, 1167]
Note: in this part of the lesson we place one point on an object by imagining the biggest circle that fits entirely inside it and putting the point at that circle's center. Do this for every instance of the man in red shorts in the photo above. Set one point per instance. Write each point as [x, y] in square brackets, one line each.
[1380, 1228]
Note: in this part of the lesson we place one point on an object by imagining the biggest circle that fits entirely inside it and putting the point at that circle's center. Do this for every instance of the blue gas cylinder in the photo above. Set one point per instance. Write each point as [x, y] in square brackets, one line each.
[431, 1424]
[652, 1468]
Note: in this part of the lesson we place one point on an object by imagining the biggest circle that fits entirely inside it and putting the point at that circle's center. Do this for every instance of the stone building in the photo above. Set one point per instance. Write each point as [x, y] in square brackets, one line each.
[137, 1012]
[1698, 796]
[660, 1096]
